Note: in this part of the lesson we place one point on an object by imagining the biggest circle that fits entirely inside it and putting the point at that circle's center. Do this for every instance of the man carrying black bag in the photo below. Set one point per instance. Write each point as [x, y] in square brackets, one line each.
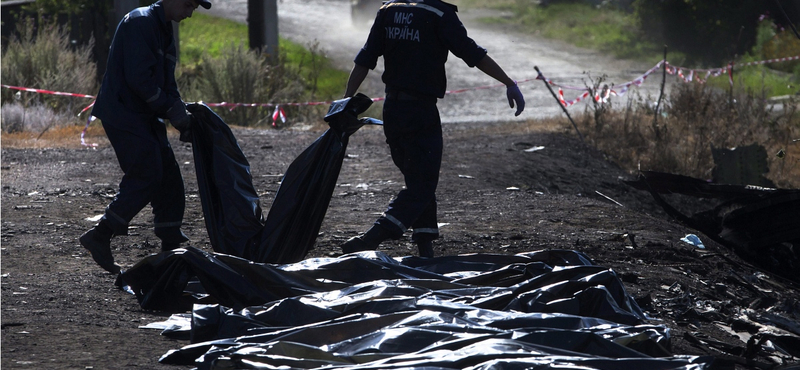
[139, 90]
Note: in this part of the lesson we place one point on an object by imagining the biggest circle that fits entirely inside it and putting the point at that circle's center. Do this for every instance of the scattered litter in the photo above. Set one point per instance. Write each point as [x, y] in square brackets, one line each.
[466, 177]
[362, 185]
[94, 218]
[533, 149]
[693, 240]
[512, 188]
[176, 322]
[27, 207]
[609, 198]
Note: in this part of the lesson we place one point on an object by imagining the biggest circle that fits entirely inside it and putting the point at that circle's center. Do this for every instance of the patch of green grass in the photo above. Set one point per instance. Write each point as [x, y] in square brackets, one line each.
[330, 82]
[614, 31]
[606, 29]
[208, 34]
[759, 80]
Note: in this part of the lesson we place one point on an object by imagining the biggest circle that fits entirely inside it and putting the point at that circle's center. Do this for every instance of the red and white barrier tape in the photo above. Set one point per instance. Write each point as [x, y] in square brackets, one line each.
[686, 74]
[59, 93]
[776, 60]
[40, 91]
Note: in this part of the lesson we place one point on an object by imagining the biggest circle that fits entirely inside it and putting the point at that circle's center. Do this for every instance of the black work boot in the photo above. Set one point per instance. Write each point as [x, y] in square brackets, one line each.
[98, 242]
[425, 247]
[171, 240]
[166, 246]
[367, 241]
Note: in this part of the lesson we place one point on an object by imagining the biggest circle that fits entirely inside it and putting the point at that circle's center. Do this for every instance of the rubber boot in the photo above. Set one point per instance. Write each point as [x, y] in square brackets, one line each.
[174, 242]
[425, 248]
[98, 242]
[167, 246]
[367, 241]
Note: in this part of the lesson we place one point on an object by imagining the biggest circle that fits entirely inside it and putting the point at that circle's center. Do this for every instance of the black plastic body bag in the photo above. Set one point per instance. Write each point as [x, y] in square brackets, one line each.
[545, 309]
[231, 207]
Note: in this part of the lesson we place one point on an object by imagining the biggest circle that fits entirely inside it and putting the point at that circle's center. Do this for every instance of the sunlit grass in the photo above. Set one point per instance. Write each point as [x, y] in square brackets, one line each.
[613, 31]
[605, 29]
[58, 137]
[760, 80]
[208, 34]
[212, 35]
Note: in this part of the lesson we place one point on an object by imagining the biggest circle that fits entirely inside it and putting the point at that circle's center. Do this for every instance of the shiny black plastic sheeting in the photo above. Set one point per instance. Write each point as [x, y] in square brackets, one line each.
[231, 205]
[546, 309]
[230, 202]
[762, 225]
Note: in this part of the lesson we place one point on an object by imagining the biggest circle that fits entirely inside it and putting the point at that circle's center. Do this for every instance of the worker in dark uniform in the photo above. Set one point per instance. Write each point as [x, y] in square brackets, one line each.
[414, 37]
[138, 91]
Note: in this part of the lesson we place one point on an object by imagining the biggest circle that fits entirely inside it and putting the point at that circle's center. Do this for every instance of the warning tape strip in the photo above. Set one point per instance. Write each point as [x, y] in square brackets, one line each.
[687, 74]
[40, 91]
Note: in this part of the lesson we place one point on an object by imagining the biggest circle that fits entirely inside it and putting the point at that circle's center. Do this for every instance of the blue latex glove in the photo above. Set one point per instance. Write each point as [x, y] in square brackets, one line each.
[515, 97]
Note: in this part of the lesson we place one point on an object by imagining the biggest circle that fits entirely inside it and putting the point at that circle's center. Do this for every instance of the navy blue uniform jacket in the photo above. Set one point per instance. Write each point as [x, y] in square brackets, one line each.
[139, 84]
[414, 38]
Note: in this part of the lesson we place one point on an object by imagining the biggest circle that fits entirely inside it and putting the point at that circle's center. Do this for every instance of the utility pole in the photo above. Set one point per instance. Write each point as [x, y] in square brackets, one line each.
[262, 26]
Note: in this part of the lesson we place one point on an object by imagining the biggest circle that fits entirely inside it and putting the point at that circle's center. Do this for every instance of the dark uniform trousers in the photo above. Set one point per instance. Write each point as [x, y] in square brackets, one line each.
[413, 131]
[151, 175]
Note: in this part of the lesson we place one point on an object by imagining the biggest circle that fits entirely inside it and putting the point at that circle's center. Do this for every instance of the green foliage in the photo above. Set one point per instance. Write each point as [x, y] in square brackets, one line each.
[241, 75]
[322, 79]
[212, 50]
[208, 34]
[68, 6]
[709, 32]
[45, 59]
[604, 28]
[773, 43]
[773, 79]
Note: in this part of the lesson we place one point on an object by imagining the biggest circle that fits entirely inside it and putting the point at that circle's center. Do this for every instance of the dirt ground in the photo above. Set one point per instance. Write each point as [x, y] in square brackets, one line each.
[61, 311]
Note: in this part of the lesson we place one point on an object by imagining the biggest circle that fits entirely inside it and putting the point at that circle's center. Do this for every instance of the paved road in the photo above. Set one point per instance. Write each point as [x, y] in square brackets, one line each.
[328, 22]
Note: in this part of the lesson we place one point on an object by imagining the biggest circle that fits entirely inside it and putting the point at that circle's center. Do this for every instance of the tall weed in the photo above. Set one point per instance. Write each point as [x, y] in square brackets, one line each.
[43, 58]
[694, 118]
[36, 118]
[241, 75]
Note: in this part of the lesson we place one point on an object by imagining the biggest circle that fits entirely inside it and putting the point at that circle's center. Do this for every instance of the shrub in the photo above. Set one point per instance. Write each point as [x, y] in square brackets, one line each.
[694, 118]
[241, 75]
[36, 118]
[773, 43]
[45, 59]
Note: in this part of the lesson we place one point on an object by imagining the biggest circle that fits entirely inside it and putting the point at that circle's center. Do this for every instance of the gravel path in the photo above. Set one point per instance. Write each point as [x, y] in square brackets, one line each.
[328, 22]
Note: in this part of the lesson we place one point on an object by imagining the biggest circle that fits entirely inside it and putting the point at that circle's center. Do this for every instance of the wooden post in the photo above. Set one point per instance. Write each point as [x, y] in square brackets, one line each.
[262, 26]
[660, 95]
[558, 101]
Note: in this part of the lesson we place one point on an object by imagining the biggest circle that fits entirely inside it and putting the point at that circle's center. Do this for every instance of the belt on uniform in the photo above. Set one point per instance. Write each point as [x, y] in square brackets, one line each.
[402, 95]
